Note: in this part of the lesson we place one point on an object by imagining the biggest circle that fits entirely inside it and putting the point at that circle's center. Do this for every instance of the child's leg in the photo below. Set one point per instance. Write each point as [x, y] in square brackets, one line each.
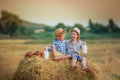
[83, 62]
[73, 62]
[84, 66]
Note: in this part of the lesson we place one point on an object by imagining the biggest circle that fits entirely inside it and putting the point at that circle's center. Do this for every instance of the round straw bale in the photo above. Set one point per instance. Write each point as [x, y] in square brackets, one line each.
[37, 68]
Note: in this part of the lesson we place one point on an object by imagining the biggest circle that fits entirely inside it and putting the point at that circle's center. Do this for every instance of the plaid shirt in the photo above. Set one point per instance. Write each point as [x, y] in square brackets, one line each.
[60, 45]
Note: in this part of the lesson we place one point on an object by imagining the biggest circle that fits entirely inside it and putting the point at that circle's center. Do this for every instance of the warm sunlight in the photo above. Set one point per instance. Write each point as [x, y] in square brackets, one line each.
[68, 11]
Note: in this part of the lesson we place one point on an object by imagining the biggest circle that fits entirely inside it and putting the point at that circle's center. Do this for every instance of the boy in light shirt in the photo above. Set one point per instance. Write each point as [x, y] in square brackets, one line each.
[73, 48]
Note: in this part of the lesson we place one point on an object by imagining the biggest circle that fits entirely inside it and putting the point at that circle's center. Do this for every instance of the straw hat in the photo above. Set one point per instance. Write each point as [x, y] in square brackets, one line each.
[59, 32]
[76, 30]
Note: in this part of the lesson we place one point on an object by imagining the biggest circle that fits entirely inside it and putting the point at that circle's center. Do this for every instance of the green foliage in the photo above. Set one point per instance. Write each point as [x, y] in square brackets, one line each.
[60, 25]
[10, 24]
[49, 28]
[99, 28]
[68, 28]
[88, 35]
[109, 35]
[47, 37]
[112, 27]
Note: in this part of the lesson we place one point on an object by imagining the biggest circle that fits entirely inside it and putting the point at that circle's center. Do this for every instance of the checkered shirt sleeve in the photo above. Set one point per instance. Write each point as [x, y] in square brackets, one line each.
[60, 46]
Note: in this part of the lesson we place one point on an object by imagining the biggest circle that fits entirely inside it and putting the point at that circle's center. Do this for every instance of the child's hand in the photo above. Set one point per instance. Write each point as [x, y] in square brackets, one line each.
[84, 43]
[58, 58]
[46, 48]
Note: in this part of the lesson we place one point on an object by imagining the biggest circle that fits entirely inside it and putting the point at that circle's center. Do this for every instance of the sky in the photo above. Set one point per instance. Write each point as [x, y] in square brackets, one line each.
[51, 12]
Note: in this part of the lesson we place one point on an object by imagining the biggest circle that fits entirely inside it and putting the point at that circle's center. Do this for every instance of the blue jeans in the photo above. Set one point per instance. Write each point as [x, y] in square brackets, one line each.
[77, 56]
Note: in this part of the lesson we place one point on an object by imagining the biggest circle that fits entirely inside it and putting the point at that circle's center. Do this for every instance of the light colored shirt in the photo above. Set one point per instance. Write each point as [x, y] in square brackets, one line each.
[74, 48]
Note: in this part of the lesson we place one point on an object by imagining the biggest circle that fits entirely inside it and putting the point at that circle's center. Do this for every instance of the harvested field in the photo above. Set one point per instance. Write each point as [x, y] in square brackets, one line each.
[104, 54]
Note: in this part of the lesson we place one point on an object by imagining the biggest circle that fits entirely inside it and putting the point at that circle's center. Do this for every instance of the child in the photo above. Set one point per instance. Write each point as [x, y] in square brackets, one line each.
[73, 47]
[58, 44]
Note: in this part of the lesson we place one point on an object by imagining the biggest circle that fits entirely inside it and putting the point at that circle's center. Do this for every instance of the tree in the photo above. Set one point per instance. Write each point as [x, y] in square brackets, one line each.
[91, 25]
[112, 27]
[97, 27]
[60, 25]
[9, 23]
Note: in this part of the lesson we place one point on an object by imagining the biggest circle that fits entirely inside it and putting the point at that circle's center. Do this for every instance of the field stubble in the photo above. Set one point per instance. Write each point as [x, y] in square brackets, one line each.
[103, 53]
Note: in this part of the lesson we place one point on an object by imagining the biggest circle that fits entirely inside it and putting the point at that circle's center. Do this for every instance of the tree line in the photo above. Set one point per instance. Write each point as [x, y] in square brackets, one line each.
[11, 24]
[92, 27]
[100, 28]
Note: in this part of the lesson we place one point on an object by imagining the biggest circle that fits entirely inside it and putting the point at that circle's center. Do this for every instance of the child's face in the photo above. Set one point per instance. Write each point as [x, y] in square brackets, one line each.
[73, 35]
[61, 37]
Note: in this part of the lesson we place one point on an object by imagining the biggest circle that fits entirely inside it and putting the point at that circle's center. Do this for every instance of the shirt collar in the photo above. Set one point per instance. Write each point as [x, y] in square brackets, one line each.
[59, 40]
[71, 40]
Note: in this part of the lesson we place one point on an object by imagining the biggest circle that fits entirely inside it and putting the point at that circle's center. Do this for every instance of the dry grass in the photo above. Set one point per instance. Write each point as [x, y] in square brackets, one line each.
[37, 68]
[104, 54]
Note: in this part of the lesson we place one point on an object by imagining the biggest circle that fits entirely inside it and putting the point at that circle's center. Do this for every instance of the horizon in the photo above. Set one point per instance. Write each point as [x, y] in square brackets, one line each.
[71, 23]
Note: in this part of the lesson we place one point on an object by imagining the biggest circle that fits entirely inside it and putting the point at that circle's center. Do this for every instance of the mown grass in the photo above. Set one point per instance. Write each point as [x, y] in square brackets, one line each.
[105, 53]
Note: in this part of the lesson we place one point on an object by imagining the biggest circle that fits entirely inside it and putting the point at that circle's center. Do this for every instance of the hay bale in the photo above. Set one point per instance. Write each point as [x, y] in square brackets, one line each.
[37, 68]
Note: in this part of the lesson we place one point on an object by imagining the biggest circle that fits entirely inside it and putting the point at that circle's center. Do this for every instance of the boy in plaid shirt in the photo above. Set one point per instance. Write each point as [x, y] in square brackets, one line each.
[58, 46]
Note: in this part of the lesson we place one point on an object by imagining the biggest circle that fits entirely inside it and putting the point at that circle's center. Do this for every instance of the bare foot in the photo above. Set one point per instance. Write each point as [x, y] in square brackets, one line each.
[86, 69]
[74, 68]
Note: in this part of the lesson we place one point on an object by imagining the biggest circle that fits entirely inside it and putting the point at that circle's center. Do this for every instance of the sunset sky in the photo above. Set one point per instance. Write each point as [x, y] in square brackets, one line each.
[67, 11]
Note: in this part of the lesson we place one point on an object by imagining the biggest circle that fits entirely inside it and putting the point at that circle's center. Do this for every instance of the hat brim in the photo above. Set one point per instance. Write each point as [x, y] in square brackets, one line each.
[76, 32]
[63, 32]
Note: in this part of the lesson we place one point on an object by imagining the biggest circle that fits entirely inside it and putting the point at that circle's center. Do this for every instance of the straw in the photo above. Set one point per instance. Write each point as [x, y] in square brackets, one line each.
[37, 68]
